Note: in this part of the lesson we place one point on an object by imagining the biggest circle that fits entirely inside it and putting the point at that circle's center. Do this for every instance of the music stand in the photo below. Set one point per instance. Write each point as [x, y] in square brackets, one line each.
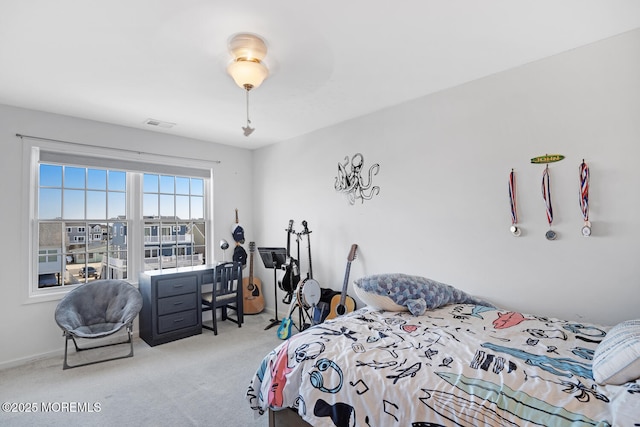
[273, 258]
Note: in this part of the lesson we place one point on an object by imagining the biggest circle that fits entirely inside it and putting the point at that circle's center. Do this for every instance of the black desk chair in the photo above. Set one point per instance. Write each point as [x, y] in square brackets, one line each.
[226, 294]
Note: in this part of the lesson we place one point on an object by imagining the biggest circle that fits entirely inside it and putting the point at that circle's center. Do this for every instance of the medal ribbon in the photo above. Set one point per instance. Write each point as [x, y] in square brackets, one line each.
[546, 194]
[584, 190]
[512, 197]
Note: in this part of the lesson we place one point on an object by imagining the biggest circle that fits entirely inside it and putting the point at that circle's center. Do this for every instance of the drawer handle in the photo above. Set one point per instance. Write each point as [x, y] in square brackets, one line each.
[178, 320]
[178, 303]
[178, 285]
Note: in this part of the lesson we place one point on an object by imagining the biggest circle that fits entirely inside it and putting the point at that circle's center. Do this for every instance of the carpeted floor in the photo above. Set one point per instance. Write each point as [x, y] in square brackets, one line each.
[196, 381]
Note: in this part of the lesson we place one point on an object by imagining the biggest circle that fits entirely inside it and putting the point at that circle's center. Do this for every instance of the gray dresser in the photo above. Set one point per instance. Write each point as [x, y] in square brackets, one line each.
[171, 307]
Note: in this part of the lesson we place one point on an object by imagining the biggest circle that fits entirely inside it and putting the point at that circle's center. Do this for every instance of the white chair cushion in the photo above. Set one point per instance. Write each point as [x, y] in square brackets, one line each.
[208, 296]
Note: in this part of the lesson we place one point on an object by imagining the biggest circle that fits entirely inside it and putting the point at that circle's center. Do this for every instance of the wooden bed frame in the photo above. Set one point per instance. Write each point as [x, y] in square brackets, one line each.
[286, 418]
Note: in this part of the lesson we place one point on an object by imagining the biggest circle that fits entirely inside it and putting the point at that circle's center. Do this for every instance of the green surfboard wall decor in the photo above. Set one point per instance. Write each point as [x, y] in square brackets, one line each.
[547, 158]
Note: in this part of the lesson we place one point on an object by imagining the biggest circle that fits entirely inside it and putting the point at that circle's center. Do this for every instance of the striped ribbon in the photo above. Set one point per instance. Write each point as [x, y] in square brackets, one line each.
[512, 197]
[584, 190]
[546, 194]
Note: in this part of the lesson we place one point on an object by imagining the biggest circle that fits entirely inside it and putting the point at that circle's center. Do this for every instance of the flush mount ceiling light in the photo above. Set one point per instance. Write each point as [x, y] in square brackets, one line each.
[247, 68]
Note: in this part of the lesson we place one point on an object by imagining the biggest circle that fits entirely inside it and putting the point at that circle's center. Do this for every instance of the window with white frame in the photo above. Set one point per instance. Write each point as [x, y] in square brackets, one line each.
[71, 200]
[173, 211]
[84, 214]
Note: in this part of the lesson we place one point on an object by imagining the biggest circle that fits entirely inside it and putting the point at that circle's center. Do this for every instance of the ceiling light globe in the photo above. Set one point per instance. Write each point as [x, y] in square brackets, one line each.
[248, 73]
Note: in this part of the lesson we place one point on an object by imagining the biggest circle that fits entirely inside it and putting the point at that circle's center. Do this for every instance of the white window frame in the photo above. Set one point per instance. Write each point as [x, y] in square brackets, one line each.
[32, 149]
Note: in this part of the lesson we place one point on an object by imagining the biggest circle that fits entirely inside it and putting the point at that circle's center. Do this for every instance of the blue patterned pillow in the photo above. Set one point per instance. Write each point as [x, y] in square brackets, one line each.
[401, 292]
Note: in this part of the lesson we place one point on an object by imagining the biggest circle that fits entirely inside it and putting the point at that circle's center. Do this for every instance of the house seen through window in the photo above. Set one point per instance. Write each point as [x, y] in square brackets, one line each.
[84, 223]
[173, 212]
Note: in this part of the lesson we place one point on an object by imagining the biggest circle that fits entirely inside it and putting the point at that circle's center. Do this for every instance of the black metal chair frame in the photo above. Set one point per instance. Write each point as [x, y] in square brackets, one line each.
[69, 336]
[223, 275]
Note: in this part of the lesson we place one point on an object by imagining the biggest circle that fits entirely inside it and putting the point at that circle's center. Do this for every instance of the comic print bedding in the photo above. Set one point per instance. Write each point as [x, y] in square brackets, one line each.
[458, 365]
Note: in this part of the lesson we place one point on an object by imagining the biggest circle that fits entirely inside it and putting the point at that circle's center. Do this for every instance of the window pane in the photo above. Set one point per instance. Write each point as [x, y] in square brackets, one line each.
[117, 205]
[166, 233]
[182, 185]
[50, 203]
[115, 267]
[166, 206]
[118, 235]
[197, 208]
[117, 181]
[50, 176]
[76, 251]
[167, 184]
[182, 207]
[98, 236]
[90, 267]
[147, 233]
[73, 204]
[150, 183]
[198, 231]
[197, 187]
[150, 206]
[198, 255]
[50, 257]
[74, 177]
[75, 239]
[97, 204]
[97, 179]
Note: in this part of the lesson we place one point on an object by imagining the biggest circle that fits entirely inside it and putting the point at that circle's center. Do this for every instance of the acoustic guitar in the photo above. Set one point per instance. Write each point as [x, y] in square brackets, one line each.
[343, 304]
[253, 300]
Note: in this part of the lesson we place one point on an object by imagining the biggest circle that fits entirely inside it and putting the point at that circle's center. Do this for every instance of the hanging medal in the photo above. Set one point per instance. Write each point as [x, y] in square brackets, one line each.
[584, 198]
[515, 230]
[546, 195]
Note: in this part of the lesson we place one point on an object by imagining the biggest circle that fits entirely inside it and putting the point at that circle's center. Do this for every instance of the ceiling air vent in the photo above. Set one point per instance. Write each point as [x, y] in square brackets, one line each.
[158, 123]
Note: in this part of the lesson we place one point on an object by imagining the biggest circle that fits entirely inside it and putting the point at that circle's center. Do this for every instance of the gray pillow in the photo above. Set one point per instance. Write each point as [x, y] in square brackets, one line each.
[402, 292]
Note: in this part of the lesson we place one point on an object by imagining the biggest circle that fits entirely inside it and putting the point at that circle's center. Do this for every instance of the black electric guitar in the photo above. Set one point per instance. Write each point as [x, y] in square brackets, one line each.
[343, 304]
[292, 270]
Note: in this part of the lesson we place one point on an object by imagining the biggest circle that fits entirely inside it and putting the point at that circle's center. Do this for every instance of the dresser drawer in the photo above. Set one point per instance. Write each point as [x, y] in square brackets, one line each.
[178, 303]
[176, 286]
[172, 322]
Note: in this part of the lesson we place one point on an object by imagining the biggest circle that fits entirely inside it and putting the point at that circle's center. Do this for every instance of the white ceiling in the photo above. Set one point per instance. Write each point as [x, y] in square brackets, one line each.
[124, 61]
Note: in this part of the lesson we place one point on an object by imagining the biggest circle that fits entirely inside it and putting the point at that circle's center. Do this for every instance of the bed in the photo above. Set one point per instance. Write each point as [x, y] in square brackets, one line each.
[458, 362]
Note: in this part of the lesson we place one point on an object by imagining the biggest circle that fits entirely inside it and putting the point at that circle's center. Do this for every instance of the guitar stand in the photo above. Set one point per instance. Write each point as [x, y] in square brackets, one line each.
[287, 298]
[305, 320]
[273, 258]
[302, 312]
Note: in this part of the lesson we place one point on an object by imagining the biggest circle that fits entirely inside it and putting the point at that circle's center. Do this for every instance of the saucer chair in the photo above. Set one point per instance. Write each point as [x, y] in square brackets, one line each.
[97, 310]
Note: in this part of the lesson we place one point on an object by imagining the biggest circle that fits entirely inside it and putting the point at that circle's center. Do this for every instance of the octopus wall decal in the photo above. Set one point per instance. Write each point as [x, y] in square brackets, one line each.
[351, 182]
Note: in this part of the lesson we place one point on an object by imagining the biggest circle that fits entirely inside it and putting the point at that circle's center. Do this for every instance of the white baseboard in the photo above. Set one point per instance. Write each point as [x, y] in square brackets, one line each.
[41, 356]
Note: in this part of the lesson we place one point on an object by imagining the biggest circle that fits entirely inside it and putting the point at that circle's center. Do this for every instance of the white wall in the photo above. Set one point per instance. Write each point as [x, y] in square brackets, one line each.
[29, 330]
[443, 209]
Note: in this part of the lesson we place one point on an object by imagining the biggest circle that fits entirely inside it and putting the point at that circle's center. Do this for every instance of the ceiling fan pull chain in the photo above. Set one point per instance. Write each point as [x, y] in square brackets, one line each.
[247, 130]
[248, 121]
